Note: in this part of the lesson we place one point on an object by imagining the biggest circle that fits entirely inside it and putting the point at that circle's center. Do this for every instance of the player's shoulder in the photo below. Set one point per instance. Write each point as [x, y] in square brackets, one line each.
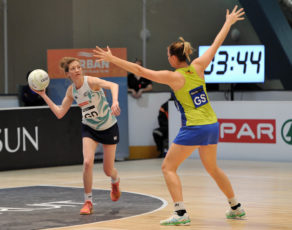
[94, 83]
[92, 80]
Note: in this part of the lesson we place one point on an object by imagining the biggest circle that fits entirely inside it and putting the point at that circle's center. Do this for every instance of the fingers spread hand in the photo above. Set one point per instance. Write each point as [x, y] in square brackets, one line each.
[242, 13]
[98, 48]
[241, 9]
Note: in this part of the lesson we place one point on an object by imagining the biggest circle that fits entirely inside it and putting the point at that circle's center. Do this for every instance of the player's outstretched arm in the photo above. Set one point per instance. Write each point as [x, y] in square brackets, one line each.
[201, 63]
[163, 76]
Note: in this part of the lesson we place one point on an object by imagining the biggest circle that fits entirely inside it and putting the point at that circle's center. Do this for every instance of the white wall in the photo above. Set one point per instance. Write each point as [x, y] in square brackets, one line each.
[143, 113]
[263, 96]
[252, 96]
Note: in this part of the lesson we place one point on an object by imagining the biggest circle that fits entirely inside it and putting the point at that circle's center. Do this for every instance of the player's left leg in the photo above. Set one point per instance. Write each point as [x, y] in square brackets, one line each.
[109, 153]
[208, 155]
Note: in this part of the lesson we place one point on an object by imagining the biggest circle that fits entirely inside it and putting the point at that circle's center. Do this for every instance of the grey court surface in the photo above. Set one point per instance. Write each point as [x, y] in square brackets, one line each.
[39, 207]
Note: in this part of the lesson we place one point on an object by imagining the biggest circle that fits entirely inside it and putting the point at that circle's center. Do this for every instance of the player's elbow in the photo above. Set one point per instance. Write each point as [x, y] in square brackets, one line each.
[140, 70]
[59, 115]
[115, 85]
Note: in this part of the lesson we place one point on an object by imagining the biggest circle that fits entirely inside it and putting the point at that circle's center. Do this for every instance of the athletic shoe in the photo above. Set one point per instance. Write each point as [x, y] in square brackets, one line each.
[235, 214]
[176, 220]
[115, 193]
[87, 208]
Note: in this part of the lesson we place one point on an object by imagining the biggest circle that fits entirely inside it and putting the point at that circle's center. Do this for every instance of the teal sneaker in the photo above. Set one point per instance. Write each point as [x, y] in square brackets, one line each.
[176, 220]
[235, 214]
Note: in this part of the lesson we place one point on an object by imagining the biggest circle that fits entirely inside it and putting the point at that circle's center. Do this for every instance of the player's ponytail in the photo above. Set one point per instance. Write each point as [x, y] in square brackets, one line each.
[182, 49]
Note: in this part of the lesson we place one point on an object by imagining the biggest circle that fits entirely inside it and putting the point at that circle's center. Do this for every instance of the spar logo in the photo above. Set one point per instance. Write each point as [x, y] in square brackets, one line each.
[248, 130]
[286, 131]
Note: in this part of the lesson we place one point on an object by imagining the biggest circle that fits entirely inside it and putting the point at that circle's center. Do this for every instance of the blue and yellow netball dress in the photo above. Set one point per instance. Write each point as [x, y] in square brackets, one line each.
[199, 121]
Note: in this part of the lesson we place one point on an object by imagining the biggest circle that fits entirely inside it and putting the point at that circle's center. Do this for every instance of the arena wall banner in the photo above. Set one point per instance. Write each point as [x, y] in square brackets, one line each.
[33, 137]
[105, 70]
[88, 62]
[249, 130]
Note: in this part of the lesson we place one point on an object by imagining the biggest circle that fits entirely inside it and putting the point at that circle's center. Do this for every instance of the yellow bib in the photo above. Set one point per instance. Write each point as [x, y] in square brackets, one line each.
[192, 99]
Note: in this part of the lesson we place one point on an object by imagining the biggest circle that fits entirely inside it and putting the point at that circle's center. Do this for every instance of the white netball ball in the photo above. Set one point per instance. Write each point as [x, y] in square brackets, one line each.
[38, 79]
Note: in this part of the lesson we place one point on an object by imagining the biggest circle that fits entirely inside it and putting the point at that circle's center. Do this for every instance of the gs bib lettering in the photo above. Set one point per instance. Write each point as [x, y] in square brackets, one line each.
[198, 96]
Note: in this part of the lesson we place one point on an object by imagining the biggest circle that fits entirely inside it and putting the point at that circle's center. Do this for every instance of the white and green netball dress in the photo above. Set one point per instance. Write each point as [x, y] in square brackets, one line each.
[96, 114]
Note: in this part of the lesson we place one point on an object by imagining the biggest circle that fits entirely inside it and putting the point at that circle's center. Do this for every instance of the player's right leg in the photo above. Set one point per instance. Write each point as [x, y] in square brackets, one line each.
[110, 170]
[174, 157]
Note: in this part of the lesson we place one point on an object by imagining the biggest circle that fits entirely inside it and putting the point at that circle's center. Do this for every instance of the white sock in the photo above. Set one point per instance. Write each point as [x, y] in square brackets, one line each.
[88, 196]
[232, 202]
[115, 180]
[179, 206]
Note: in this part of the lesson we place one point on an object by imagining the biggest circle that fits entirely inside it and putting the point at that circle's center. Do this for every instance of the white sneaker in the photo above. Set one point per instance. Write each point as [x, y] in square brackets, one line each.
[176, 220]
[235, 214]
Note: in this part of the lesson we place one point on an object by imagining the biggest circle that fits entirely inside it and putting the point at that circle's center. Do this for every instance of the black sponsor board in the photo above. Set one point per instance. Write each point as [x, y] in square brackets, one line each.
[34, 137]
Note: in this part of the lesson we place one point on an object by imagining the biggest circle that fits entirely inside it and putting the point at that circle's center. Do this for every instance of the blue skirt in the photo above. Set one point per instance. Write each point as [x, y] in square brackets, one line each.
[198, 135]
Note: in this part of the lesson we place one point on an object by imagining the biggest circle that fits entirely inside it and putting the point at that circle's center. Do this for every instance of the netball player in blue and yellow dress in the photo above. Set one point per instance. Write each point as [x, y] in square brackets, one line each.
[99, 124]
[200, 129]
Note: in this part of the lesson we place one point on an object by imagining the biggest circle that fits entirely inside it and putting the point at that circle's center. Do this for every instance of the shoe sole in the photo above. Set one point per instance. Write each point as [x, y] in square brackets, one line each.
[177, 224]
[86, 213]
[83, 213]
[236, 217]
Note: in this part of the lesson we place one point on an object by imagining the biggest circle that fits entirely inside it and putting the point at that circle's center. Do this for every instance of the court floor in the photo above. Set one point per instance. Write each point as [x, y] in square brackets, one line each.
[264, 189]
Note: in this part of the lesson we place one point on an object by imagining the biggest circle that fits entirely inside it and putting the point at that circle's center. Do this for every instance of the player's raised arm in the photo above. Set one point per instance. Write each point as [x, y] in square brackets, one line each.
[61, 110]
[201, 63]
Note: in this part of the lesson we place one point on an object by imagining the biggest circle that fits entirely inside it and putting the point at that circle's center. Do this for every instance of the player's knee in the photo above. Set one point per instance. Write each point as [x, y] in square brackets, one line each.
[108, 172]
[165, 168]
[87, 164]
[212, 170]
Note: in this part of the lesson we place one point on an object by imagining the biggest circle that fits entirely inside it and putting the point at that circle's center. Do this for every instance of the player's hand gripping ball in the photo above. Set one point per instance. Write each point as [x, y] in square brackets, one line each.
[38, 79]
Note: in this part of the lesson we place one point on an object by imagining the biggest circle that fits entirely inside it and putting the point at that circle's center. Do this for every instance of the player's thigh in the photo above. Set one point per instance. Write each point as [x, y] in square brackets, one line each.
[176, 155]
[89, 147]
[208, 155]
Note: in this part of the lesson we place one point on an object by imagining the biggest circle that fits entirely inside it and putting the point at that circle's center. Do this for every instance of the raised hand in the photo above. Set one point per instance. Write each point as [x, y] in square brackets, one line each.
[235, 15]
[102, 55]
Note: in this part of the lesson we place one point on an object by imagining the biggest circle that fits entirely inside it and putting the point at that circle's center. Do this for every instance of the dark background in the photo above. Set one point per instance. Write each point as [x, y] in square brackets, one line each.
[59, 140]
